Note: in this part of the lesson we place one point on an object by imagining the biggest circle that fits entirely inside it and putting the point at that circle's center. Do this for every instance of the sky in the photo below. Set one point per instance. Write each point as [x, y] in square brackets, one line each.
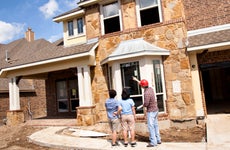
[16, 16]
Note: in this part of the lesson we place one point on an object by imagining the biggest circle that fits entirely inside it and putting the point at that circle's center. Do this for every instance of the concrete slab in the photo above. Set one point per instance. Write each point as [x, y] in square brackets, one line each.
[218, 129]
[48, 137]
[218, 137]
[85, 133]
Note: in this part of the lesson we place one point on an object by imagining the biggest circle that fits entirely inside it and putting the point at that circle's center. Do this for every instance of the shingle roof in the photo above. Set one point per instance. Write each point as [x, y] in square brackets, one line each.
[22, 52]
[25, 85]
[209, 38]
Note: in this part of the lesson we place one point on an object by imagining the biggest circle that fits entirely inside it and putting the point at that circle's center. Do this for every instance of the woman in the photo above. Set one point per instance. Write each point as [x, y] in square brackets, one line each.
[128, 113]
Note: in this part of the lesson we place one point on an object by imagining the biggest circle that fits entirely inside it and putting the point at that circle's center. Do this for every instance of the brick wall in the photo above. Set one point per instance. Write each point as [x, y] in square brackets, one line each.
[52, 110]
[36, 100]
[206, 13]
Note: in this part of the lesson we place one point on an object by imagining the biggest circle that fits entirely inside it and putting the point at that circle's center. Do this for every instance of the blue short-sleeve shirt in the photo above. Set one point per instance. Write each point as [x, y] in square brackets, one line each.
[111, 106]
[126, 106]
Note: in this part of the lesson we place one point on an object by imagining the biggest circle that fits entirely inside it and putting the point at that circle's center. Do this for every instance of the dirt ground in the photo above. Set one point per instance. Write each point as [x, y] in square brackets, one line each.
[15, 137]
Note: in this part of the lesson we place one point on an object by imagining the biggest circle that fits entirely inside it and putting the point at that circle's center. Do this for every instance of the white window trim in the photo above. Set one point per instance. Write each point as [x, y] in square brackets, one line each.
[163, 82]
[102, 17]
[138, 11]
[145, 64]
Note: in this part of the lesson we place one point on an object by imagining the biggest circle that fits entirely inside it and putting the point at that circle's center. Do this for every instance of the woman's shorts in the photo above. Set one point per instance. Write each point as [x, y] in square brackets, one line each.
[127, 122]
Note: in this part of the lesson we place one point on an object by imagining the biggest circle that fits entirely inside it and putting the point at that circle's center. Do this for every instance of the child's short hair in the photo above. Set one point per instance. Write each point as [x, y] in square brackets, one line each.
[112, 93]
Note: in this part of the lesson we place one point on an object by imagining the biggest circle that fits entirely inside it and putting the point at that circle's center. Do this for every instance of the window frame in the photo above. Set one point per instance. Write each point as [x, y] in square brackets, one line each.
[75, 27]
[70, 30]
[102, 18]
[68, 93]
[138, 9]
[145, 64]
[79, 32]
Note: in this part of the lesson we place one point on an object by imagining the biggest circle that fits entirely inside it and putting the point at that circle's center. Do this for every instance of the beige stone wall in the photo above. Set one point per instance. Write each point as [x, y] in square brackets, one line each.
[86, 116]
[92, 20]
[172, 9]
[177, 67]
[15, 117]
[129, 17]
[170, 34]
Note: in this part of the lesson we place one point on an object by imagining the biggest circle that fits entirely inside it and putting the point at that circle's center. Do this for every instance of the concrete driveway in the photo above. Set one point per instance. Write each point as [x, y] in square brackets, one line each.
[218, 131]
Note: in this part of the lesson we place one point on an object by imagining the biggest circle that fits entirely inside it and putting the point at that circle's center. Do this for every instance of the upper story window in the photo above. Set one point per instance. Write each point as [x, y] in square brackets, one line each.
[70, 28]
[75, 27]
[111, 17]
[80, 25]
[149, 12]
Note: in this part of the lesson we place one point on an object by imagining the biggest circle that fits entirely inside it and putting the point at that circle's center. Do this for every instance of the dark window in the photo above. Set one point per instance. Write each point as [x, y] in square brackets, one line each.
[70, 28]
[149, 12]
[149, 16]
[111, 18]
[112, 25]
[128, 70]
[67, 95]
[80, 25]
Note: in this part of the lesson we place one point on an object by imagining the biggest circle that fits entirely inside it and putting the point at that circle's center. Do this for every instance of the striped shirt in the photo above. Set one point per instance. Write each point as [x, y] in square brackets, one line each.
[150, 101]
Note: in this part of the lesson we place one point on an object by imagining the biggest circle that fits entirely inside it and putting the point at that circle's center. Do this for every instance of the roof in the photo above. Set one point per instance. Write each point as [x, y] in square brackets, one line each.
[209, 37]
[134, 48]
[22, 52]
[25, 85]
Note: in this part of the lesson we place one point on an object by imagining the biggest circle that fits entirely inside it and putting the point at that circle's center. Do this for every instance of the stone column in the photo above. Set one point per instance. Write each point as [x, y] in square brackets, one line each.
[14, 115]
[86, 115]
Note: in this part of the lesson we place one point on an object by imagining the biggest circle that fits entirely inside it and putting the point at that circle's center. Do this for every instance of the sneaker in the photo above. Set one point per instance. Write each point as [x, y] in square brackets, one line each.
[133, 144]
[158, 142]
[116, 144]
[150, 145]
[125, 144]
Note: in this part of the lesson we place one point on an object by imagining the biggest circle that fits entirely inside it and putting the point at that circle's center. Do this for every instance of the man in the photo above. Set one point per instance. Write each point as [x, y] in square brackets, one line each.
[112, 107]
[150, 103]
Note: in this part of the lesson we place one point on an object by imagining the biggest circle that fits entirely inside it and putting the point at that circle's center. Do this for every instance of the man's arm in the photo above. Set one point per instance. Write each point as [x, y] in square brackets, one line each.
[135, 79]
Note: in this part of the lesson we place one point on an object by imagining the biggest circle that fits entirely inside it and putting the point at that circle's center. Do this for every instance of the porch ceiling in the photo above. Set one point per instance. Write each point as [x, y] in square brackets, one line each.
[135, 48]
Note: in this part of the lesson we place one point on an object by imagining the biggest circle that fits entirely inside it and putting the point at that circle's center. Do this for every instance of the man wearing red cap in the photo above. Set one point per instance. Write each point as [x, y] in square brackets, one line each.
[150, 102]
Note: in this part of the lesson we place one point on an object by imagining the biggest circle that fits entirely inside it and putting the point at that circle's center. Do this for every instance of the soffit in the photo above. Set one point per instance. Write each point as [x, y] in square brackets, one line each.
[77, 12]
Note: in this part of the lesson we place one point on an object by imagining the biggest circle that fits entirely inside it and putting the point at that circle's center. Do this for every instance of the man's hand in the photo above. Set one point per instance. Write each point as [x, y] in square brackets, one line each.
[135, 79]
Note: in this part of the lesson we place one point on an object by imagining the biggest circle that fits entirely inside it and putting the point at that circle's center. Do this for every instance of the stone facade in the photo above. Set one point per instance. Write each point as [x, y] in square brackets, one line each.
[170, 34]
[86, 116]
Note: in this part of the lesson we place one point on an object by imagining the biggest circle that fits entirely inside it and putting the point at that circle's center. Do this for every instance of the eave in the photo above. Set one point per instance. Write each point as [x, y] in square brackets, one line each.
[62, 18]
